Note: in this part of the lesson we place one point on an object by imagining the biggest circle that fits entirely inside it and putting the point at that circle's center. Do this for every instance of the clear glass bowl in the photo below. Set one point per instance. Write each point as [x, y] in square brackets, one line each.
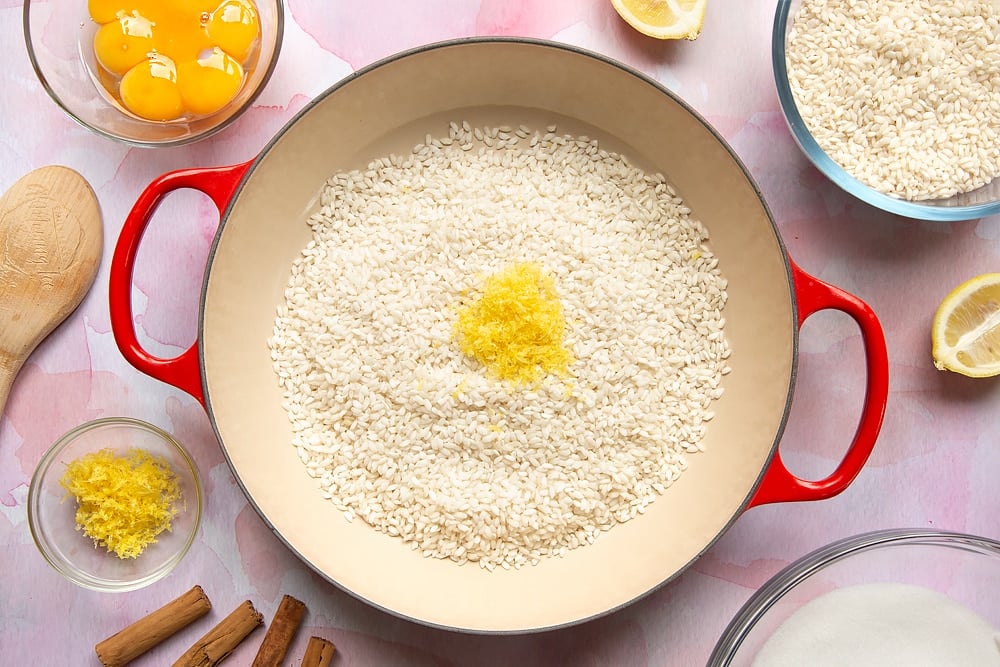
[59, 37]
[966, 568]
[52, 515]
[978, 203]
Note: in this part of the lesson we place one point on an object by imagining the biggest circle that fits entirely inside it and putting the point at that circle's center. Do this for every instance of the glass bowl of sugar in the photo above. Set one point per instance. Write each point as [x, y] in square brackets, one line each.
[891, 597]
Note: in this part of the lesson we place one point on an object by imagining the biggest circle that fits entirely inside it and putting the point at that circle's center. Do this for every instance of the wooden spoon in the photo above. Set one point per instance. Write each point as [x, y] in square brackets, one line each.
[51, 239]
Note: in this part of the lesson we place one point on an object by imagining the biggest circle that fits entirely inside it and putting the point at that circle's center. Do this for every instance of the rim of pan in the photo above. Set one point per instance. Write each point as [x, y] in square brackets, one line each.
[471, 41]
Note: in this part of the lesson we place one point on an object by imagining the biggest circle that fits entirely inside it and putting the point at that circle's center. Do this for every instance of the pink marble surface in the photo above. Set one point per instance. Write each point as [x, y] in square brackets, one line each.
[936, 463]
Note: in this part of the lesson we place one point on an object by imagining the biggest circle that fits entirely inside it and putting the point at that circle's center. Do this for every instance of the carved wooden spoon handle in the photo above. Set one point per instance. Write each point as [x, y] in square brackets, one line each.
[8, 370]
[51, 238]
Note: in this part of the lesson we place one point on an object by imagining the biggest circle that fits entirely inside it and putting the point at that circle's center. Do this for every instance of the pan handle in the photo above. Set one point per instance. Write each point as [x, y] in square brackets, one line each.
[182, 371]
[778, 484]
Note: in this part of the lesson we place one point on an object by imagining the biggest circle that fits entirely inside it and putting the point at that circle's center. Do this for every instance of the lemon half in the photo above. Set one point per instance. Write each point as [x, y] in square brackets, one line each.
[965, 333]
[663, 19]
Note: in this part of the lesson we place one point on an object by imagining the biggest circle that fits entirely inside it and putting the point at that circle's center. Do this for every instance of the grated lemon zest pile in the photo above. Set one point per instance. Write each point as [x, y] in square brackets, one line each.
[516, 326]
[123, 502]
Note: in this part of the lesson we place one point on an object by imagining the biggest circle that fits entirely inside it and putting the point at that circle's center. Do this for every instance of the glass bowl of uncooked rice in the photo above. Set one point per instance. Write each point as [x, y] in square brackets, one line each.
[889, 597]
[896, 101]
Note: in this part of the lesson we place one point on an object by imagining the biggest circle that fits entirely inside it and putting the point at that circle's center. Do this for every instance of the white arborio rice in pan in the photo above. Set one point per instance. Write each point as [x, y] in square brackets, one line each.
[420, 440]
[903, 94]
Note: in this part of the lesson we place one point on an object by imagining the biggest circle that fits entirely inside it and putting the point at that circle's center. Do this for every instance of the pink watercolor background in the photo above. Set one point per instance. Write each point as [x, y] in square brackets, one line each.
[935, 465]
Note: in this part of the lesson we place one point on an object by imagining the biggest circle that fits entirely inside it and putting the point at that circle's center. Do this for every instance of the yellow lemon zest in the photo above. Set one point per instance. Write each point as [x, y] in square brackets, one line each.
[123, 501]
[516, 326]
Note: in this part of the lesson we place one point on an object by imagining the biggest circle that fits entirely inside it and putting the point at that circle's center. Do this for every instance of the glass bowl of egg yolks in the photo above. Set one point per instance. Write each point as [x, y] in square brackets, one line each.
[153, 72]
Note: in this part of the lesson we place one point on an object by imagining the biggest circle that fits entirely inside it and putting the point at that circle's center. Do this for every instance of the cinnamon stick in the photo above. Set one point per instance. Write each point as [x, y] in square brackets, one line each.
[132, 641]
[221, 640]
[319, 653]
[280, 633]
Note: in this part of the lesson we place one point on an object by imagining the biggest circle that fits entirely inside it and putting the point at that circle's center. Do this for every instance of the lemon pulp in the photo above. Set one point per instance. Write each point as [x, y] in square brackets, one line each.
[663, 19]
[965, 333]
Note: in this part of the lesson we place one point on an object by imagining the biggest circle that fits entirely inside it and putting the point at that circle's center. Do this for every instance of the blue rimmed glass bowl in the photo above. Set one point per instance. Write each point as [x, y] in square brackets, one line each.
[978, 203]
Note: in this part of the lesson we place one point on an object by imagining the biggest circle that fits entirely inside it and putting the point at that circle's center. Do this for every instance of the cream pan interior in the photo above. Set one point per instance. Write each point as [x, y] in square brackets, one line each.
[390, 107]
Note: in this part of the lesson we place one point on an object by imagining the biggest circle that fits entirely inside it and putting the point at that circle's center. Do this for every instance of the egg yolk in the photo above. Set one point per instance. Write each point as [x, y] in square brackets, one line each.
[234, 26]
[105, 11]
[171, 59]
[172, 37]
[208, 84]
[150, 89]
[123, 43]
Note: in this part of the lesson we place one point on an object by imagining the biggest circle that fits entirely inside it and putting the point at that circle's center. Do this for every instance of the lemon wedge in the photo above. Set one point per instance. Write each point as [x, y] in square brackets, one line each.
[965, 333]
[663, 19]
